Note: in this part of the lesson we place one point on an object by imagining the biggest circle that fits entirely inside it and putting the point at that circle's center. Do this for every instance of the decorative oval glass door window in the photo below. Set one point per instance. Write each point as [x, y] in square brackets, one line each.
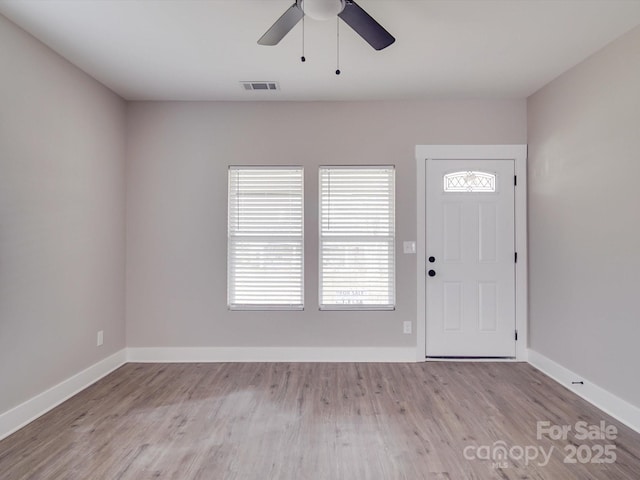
[470, 182]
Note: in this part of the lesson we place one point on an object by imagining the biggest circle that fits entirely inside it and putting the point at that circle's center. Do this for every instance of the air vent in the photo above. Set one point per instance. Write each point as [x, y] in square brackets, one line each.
[260, 86]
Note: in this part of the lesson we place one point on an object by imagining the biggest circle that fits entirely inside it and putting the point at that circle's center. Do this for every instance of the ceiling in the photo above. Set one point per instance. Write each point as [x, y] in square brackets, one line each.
[202, 49]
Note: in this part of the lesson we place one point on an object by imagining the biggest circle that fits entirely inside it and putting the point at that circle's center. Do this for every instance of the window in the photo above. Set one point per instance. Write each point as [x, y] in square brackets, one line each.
[265, 238]
[470, 182]
[357, 238]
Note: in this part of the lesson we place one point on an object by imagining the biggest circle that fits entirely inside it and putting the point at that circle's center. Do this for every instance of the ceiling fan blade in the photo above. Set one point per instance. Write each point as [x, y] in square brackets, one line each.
[283, 25]
[365, 26]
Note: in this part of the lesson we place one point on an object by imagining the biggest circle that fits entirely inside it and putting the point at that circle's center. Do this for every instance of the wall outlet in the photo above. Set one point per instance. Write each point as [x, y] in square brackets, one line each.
[406, 327]
[100, 338]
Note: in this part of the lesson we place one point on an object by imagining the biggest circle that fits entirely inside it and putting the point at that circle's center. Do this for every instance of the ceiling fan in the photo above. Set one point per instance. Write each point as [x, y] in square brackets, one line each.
[348, 10]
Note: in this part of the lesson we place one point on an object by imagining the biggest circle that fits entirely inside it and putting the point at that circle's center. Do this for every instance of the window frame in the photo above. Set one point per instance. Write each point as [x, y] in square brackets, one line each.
[391, 239]
[266, 306]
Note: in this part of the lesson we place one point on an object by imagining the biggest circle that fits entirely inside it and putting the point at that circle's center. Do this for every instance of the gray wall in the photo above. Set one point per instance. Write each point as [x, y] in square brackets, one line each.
[584, 226]
[178, 155]
[61, 218]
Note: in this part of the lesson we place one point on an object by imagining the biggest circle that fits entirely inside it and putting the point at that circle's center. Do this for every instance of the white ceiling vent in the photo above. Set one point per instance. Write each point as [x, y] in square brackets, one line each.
[260, 86]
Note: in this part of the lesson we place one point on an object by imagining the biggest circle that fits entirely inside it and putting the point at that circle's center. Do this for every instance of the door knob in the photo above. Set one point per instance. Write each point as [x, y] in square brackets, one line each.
[431, 273]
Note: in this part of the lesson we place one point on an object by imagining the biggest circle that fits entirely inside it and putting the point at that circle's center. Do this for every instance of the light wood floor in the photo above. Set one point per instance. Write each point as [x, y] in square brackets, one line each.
[310, 421]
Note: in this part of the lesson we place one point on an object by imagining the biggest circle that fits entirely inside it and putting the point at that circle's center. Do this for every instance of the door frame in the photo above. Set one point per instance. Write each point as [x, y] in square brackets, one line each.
[518, 153]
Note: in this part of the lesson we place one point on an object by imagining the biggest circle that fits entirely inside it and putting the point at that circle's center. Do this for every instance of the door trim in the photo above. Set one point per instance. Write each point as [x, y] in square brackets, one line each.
[518, 153]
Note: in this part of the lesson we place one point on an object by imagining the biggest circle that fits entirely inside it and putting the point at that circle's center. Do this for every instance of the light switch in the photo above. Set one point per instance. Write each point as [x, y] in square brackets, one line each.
[409, 247]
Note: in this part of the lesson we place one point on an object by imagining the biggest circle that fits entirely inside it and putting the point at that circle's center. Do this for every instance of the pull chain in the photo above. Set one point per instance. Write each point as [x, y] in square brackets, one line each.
[302, 58]
[337, 45]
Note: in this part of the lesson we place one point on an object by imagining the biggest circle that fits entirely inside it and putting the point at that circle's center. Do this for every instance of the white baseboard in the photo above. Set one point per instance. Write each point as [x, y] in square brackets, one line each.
[19, 416]
[271, 354]
[606, 401]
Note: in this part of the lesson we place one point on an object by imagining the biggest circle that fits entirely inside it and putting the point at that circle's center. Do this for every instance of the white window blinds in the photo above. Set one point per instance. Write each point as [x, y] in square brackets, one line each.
[357, 237]
[265, 238]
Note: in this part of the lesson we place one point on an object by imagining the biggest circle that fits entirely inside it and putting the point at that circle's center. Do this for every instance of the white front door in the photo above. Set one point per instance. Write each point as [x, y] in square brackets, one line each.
[470, 258]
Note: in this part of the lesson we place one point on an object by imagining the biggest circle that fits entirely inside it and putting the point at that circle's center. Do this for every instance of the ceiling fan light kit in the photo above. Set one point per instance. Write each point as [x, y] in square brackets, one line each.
[322, 9]
[346, 10]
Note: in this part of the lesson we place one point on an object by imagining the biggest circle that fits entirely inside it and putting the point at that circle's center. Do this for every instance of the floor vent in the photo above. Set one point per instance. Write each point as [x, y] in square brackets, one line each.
[260, 86]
